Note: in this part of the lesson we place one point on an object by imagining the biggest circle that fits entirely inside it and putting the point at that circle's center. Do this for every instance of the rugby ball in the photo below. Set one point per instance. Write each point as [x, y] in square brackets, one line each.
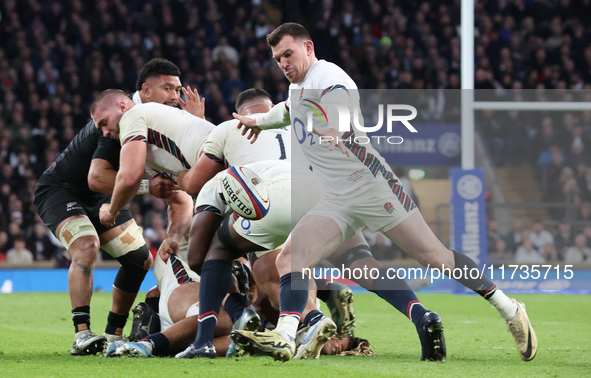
[245, 192]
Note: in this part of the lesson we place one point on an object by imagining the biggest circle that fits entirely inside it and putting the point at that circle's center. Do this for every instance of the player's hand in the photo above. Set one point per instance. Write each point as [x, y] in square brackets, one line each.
[163, 187]
[335, 141]
[168, 247]
[193, 103]
[106, 217]
[250, 125]
[180, 179]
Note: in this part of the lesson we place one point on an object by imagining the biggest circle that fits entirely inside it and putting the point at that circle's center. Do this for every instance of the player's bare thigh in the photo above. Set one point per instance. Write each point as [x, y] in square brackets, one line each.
[313, 239]
[181, 299]
[414, 237]
[186, 296]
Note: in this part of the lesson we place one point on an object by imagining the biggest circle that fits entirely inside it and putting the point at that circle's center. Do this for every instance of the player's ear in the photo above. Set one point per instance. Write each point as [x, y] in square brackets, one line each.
[146, 89]
[122, 105]
[309, 45]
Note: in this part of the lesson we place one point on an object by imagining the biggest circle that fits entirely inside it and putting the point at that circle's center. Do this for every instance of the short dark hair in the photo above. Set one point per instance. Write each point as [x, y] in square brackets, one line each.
[296, 31]
[20, 238]
[104, 96]
[155, 68]
[250, 95]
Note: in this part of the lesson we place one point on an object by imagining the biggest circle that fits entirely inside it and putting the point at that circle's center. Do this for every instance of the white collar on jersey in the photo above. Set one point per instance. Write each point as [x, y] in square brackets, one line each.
[136, 97]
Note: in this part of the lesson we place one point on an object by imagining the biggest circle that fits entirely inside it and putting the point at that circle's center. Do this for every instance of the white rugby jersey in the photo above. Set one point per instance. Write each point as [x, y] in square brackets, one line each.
[270, 171]
[175, 138]
[337, 173]
[227, 146]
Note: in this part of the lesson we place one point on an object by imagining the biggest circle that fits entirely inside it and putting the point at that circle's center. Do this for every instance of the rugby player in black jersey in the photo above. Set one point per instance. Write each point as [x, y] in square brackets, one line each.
[70, 193]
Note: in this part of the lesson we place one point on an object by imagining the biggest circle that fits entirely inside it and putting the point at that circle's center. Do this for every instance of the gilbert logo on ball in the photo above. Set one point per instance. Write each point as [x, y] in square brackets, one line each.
[245, 192]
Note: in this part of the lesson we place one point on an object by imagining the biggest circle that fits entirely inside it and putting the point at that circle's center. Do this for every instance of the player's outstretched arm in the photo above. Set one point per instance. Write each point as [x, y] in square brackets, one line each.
[102, 177]
[193, 103]
[127, 183]
[275, 118]
[192, 181]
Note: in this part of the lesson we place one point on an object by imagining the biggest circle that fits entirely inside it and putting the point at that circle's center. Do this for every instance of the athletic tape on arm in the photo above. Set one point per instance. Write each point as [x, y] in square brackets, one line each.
[144, 187]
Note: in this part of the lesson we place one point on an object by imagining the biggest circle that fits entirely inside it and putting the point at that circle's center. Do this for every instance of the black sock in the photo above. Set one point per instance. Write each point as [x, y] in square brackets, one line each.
[293, 294]
[81, 315]
[154, 303]
[483, 286]
[323, 291]
[216, 277]
[160, 344]
[312, 318]
[115, 321]
[235, 305]
[397, 292]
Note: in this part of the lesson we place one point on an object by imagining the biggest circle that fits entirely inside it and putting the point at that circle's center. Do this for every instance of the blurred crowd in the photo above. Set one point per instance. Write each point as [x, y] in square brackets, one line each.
[537, 245]
[57, 55]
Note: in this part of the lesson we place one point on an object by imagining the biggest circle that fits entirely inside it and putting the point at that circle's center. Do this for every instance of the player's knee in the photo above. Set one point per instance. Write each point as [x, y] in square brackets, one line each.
[133, 270]
[284, 263]
[154, 292]
[80, 238]
[347, 259]
[433, 259]
[195, 262]
[85, 250]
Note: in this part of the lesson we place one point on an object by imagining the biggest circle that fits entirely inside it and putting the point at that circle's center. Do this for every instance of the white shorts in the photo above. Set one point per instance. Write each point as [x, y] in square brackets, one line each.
[183, 252]
[380, 208]
[168, 281]
[284, 213]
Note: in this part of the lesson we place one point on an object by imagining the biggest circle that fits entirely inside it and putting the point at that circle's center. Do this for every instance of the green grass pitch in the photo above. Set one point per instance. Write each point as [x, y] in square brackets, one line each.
[36, 332]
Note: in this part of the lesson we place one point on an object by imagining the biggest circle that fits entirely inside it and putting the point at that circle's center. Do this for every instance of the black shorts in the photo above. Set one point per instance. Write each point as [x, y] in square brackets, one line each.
[54, 204]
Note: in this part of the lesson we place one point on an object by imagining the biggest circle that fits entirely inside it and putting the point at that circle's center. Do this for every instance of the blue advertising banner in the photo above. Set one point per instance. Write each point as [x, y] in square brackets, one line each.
[55, 280]
[467, 213]
[432, 144]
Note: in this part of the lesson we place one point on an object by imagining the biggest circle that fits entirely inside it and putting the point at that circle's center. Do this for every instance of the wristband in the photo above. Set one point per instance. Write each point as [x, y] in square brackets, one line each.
[144, 187]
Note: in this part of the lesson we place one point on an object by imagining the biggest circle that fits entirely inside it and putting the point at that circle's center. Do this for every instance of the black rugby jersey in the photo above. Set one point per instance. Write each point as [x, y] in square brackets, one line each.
[70, 169]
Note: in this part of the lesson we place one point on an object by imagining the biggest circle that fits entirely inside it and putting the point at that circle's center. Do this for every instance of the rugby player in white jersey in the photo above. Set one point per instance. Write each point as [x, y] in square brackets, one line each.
[176, 324]
[225, 146]
[155, 138]
[359, 190]
[68, 197]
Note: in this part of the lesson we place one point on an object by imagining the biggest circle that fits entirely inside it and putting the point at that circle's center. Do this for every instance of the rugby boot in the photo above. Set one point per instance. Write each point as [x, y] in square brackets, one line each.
[264, 343]
[432, 338]
[207, 351]
[111, 347]
[316, 336]
[145, 322]
[241, 272]
[340, 304]
[248, 321]
[87, 343]
[523, 332]
[142, 349]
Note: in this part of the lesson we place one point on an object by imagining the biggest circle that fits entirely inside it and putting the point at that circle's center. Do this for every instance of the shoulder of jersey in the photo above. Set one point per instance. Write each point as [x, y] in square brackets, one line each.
[228, 124]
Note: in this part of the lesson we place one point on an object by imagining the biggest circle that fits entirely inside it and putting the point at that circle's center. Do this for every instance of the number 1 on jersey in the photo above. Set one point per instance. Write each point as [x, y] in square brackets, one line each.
[279, 137]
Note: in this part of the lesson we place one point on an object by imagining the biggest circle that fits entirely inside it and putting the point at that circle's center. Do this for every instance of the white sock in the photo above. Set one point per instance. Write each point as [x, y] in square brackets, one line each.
[287, 326]
[504, 305]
